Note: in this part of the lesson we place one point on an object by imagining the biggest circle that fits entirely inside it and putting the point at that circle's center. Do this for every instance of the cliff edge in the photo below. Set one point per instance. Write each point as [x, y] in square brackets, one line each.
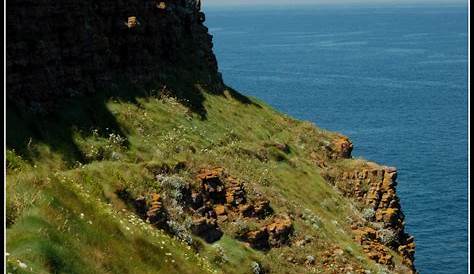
[126, 153]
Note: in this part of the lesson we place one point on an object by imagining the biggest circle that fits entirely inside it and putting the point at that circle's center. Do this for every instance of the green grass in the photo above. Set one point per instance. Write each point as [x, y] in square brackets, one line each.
[64, 215]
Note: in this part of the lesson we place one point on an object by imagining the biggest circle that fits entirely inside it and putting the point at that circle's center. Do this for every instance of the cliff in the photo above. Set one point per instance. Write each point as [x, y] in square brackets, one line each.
[127, 154]
[62, 49]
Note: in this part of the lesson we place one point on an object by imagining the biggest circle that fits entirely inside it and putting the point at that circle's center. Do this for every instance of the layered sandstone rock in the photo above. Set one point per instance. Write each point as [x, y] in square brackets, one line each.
[367, 238]
[374, 188]
[342, 147]
[279, 231]
[275, 234]
[223, 197]
[155, 211]
[380, 196]
[215, 198]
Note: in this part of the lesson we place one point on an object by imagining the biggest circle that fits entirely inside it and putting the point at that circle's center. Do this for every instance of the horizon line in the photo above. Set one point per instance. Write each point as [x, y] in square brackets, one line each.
[355, 3]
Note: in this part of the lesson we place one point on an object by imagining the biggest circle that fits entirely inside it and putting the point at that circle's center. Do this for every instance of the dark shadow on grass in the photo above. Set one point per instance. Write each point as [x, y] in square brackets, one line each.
[240, 97]
[87, 113]
[57, 128]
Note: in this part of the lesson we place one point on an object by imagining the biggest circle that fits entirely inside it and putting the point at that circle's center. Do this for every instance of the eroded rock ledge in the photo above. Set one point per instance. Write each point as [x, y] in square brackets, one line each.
[373, 188]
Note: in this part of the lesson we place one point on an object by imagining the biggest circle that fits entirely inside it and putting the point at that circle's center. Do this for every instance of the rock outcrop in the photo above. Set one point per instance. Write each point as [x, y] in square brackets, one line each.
[216, 198]
[342, 148]
[367, 238]
[60, 49]
[155, 213]
[227, 195]
[275, 234]
[374, 189]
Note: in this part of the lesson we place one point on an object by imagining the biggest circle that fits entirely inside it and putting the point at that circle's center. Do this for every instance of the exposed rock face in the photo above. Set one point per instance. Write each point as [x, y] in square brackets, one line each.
[212, 188]
[217, 198]
[155, 213]
[382, 197]
[275, 234]
[342, 148]
[150, 207]
[258, 239]
[279, 231]
[59, 49]
[224, 195]
[367, 238]
[373, 186]
[235, 193]
[228, 195]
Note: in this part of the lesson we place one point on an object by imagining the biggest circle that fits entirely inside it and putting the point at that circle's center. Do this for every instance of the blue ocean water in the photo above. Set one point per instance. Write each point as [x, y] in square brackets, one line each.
[393, 79]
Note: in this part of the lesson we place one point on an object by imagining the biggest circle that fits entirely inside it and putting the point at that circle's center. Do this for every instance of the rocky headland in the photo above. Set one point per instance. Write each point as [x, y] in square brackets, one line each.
[126, 153]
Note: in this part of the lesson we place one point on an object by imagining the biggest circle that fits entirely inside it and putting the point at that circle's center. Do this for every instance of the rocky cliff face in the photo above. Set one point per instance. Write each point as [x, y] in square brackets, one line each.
[60, 49]
[373, 188]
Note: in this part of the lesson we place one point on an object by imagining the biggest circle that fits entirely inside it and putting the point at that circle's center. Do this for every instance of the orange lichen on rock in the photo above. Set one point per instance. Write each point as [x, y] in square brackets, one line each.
[275, 234]
[220, 210]
[155, 213]
[367, 238]
[342, 147]
[212, 187]
[235, 193]
[279, 231]
[364, 234]
[374, 187]
[408, 251]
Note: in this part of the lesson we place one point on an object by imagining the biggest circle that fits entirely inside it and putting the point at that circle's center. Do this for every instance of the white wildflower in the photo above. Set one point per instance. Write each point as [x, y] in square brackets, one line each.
[22, 264]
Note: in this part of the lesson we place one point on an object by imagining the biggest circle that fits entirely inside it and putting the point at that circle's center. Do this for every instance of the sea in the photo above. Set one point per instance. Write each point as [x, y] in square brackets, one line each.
[392, 78]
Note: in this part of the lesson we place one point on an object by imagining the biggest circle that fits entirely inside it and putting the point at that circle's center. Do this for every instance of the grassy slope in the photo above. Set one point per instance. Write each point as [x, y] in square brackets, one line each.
[48, 193]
